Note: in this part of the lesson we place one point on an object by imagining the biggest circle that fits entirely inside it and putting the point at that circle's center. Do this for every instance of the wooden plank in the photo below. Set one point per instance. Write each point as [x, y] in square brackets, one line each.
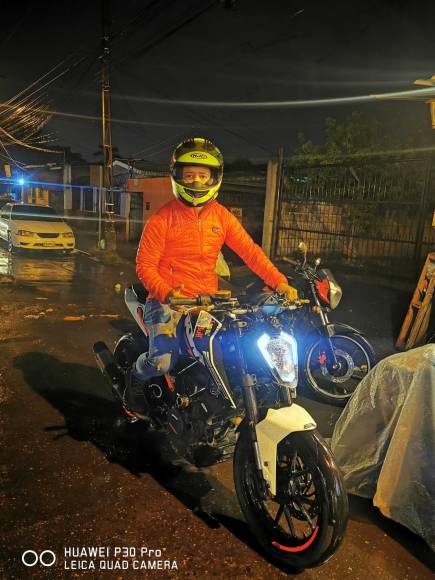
[417, 316]
[421, 322]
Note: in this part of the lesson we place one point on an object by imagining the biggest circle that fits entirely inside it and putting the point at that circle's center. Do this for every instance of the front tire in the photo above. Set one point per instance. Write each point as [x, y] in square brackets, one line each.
[304, 524]
[355, 357]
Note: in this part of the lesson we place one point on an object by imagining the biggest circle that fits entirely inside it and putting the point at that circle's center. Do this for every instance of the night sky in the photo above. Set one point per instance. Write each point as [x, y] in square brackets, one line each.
[169, 55]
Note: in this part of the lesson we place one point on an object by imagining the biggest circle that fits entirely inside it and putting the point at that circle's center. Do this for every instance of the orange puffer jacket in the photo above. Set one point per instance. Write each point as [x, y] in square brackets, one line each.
[180, 247]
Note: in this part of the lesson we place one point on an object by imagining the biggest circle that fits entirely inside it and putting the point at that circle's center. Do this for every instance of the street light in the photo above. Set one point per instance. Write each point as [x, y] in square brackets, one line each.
[425, 95]
[22, 181]
[429, 83]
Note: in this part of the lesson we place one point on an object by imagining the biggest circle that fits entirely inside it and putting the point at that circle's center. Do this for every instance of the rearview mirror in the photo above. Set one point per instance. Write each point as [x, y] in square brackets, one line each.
[303, 248]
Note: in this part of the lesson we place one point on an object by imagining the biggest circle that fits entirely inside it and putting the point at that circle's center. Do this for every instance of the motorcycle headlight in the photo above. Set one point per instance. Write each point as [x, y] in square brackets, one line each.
[280, 353]
[328, 288]
[335, 294]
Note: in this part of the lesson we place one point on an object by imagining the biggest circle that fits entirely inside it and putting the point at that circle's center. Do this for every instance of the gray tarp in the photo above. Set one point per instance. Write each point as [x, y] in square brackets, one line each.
[384, 441]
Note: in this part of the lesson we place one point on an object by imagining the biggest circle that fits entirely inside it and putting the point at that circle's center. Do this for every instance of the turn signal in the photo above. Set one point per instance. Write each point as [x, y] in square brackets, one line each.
[236, 420]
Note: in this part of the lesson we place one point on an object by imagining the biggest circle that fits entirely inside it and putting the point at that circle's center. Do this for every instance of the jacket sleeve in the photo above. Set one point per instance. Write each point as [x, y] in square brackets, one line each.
[238, 239]
[148, 256]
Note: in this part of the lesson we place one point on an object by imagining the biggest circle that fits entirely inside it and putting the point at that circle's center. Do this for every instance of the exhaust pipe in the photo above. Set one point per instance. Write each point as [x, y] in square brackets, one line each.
[110, 368]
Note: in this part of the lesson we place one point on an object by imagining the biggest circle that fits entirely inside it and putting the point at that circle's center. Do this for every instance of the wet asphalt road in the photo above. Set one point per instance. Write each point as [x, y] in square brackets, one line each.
[74, 476]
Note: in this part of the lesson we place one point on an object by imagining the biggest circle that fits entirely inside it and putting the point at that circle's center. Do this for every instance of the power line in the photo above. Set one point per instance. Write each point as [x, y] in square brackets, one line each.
[143, 48]
[26, 145]
[9, 157]
[207, 118]
[42, 77]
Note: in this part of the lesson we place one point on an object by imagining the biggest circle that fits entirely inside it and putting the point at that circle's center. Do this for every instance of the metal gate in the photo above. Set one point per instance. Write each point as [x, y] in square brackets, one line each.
[374, 213]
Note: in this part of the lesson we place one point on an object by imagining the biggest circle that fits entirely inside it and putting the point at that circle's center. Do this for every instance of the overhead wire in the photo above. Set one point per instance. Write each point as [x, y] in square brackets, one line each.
[42, 77]
[9, 156]
[151, 147]
[204, 117]
[134, 53]
[140, 51]
[23, 144]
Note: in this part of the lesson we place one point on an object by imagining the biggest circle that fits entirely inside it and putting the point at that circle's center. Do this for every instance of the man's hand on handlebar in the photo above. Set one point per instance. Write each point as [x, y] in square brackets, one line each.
[291, 293]
[176, 293]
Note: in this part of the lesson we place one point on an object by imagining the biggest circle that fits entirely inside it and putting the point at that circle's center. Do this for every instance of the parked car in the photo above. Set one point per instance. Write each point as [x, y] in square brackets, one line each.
[35, 227]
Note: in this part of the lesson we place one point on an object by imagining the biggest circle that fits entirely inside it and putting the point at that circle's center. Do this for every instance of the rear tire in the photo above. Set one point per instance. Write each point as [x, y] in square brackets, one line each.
[129, 347]
[308, 484]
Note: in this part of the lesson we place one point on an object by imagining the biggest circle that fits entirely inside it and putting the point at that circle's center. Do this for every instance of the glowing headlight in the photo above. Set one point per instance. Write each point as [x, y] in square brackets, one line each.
[68, 235]
[281, 355]
[25, 233]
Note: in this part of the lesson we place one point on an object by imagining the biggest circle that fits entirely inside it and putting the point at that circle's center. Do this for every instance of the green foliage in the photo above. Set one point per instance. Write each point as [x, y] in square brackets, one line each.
[360, 135]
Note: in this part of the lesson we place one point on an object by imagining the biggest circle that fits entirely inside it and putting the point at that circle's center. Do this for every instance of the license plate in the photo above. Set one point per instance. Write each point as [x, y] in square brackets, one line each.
[49, 245]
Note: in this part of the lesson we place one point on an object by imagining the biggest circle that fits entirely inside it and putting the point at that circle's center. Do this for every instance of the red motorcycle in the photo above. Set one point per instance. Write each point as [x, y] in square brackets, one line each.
[334, 357]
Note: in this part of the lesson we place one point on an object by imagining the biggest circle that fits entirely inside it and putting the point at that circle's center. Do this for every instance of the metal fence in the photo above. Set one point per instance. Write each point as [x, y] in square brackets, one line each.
[374, 213]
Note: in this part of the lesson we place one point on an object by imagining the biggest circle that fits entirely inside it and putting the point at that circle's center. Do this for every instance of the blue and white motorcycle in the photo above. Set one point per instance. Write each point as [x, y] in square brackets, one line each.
[230, 396]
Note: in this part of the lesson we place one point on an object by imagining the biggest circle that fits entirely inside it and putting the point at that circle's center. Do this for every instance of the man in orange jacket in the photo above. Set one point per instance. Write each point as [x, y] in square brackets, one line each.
[178, 251]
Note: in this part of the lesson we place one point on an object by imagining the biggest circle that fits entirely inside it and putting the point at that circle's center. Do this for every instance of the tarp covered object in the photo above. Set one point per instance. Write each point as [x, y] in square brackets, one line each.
[384, 441]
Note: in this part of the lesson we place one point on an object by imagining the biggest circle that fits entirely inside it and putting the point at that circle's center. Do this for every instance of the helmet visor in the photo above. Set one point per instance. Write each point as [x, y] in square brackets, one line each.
[197, 178]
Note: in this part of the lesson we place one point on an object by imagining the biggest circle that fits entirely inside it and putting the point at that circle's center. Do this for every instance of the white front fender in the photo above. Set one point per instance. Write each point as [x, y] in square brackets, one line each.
[277, 424]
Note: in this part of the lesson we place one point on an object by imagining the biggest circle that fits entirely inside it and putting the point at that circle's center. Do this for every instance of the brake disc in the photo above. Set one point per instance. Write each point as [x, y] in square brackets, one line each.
[350, 367]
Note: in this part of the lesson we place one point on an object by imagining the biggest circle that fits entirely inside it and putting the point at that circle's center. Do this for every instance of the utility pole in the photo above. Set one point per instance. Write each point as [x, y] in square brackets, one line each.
[67, 179]
[108, 240]
[277, 207]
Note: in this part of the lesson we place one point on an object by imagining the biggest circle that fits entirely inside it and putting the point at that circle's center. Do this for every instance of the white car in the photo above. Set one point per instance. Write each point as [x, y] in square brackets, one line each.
[35, 227]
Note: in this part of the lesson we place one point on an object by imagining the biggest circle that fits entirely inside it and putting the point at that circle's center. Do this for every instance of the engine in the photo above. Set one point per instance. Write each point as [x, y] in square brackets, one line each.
[196, 404]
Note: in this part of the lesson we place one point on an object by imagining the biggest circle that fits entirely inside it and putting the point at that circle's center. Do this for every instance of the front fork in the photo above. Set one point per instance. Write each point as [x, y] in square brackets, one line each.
[249, 398]
[327, 329]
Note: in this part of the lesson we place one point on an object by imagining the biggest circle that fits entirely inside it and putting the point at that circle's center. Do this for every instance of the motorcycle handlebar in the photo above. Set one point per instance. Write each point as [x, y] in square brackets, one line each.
[208, 299]
[290, 261]
[200, 300]
[183, 302]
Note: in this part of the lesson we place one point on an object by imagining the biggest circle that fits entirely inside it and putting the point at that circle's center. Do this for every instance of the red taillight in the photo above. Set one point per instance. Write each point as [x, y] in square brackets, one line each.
[322, 287]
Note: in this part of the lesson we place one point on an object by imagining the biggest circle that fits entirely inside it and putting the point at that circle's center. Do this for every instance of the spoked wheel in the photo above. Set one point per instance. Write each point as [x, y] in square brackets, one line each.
[303, 525]
[336, 384]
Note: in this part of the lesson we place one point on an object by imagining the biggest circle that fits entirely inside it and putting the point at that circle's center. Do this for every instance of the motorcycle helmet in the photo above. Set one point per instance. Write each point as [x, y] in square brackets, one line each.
[200, 153]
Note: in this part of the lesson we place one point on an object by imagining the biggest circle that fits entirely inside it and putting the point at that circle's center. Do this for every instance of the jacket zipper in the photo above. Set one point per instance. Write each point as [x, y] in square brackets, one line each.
[200, 244]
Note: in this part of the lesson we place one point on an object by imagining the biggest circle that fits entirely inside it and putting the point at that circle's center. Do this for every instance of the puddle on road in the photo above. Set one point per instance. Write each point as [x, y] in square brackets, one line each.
[29, 268]
[72, 278]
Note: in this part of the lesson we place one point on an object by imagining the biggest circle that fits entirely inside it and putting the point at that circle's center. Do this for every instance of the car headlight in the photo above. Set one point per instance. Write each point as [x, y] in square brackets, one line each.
[281, 355]
[68, 235]
[25, 233]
